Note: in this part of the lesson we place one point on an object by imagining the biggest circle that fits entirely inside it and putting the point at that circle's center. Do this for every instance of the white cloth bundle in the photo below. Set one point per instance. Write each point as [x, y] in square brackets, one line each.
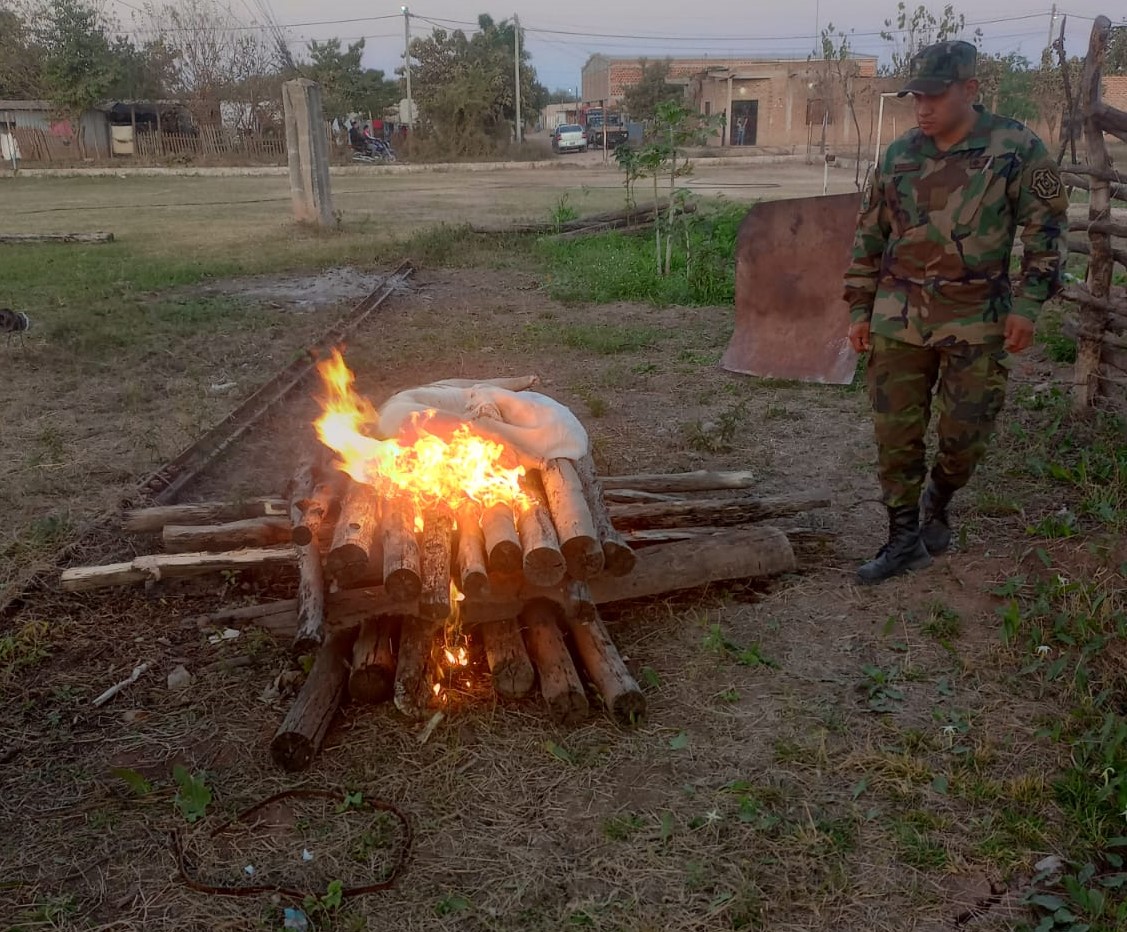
[534, 426]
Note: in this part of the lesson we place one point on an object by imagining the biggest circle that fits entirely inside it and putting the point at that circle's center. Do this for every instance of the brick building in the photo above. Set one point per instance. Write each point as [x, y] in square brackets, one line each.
[786, 105]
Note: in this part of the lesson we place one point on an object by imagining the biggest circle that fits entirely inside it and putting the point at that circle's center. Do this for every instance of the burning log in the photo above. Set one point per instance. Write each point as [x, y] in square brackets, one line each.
[373, 660]
[619, 690]
[402, 563]
[719, 512]
[153, 520]
[737, 554]
[502, 542]
[618, 557]
[573, 519]
[438, 540]
[355, 531]
[472, 572]
[513, 674]
[559, 681]
[543, 562]
[414, 679]
[303, 729]
[235, 535]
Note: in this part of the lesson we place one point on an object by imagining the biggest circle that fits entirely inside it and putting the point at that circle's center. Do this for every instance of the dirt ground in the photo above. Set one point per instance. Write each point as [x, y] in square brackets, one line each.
[815, 756]
[770, 794]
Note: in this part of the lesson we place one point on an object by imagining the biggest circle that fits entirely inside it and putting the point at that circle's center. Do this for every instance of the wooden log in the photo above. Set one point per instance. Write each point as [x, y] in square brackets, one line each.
[633, 497]
[438, 542]
[736, 554]
[502, 542]
[618, 557]
[319, 501]
[472, 570]
[402, 562]
[414, 674]
[1084, 248]
[572, 518]
[542, 560]
[1073, 178]
[246, 612]
[311, 574]
[560, 684]
[700, 481]
[153, 520]
[372, 678]
[619, 690]
[234, 535]
[174, 566]
[21, 238]
[355, 531]
[720, 512]
[1109, 227]
[512, 670]
[303, 729]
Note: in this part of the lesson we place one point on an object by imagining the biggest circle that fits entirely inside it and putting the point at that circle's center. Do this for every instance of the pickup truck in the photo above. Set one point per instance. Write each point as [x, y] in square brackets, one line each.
[615, 132]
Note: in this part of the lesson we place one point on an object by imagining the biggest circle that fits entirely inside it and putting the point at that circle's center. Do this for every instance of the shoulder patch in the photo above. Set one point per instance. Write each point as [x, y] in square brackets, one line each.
[1044, 181]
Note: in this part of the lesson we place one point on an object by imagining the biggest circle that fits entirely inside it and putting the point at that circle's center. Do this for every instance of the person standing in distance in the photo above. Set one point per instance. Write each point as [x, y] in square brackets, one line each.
[930, 295]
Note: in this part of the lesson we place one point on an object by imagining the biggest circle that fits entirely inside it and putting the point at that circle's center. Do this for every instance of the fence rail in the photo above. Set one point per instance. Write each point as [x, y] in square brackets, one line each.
[40, 147]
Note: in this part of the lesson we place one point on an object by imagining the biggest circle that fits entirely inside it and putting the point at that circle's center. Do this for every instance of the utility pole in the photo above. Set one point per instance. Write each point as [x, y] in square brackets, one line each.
[407, 66]
[516, 76]
[1052, 23]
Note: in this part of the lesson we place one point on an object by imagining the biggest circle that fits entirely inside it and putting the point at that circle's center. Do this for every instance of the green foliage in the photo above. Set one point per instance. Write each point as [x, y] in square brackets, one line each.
[23, 647]
[136, 783]
[326, 904]
[79, 67]
[642, 99]
[749, 656]
[619, 266]
[562, 211]
[908, 31]
[21, 58]
[347, 86]
[465, 85]
[192, 795]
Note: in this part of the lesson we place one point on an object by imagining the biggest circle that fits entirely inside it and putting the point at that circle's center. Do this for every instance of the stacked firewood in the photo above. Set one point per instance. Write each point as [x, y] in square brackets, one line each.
[380, 587]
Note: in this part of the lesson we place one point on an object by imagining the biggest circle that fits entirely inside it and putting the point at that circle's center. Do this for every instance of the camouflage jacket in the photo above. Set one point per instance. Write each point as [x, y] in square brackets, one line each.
[931, 255]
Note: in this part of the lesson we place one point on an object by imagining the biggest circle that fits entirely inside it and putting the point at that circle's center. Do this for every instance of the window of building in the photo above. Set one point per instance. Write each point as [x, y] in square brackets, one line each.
[708, 108]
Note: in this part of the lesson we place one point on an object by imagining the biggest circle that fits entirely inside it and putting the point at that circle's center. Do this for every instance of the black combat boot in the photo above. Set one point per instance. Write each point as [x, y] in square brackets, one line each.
[904, 551]
[936, 531]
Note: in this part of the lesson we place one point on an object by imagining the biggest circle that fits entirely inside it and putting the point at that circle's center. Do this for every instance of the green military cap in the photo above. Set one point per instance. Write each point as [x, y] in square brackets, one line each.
[938, 66]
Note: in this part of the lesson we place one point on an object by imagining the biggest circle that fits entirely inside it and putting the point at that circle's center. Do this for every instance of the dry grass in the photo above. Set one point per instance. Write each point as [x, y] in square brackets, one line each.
[883, 767]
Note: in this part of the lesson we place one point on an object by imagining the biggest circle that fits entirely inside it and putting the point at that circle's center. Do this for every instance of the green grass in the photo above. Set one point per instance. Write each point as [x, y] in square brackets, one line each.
[621, 266]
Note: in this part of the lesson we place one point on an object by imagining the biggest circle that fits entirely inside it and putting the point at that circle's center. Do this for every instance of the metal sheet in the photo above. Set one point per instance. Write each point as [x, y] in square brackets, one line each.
[791, 322]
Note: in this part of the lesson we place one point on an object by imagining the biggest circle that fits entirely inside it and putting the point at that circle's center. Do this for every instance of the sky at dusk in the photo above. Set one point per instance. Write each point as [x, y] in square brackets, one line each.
[561, 36]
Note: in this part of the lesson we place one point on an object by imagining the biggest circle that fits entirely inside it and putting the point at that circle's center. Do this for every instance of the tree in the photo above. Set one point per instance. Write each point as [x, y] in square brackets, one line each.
[79, 68]
[216, 59]
[347, 86]
[464, 86]
[21, 58]
[561, 95]
[843, 70]
[643, 99]
[908, 32]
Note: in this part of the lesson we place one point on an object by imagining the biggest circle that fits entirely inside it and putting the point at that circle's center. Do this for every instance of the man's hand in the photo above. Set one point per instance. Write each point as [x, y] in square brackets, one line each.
[859, 336]
[1019, 334]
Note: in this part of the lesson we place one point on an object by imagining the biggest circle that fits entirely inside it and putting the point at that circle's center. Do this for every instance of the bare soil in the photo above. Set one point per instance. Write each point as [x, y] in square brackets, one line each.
[788, 792]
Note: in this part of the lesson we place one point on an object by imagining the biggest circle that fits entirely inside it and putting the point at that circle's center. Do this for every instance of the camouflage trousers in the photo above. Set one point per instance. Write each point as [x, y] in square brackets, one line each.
[901, 379]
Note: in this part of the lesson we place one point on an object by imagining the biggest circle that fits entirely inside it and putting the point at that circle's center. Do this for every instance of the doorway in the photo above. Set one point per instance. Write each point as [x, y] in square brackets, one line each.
[748, 112]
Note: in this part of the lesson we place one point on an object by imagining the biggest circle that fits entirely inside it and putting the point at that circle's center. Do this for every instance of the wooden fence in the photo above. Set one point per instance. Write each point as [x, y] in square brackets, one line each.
[1100, 325]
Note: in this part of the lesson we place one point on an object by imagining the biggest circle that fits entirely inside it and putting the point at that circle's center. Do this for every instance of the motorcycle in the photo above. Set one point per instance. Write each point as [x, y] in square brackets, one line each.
[376, 152]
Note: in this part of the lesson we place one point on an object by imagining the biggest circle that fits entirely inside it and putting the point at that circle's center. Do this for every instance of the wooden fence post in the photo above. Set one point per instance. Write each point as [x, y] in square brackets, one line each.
[1094, 316]
[308, 153]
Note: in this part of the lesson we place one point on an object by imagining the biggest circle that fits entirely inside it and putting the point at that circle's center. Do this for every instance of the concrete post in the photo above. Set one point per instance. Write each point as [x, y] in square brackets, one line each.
[308, 147]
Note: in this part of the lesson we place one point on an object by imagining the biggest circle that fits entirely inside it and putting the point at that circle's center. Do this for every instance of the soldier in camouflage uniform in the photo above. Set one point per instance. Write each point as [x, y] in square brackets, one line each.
[930, 295]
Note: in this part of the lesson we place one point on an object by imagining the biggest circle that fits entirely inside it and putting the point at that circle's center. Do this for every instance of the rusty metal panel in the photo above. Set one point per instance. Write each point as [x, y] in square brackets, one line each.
[791, 322]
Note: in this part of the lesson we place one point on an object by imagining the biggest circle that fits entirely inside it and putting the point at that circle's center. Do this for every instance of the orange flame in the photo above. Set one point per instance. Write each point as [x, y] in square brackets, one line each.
[429, 467]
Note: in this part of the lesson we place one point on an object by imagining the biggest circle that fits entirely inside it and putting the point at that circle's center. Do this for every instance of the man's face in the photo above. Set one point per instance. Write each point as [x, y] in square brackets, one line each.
[940, 114]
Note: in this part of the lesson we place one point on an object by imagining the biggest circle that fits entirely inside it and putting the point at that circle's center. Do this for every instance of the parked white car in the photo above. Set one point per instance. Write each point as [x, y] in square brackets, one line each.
[569, 137]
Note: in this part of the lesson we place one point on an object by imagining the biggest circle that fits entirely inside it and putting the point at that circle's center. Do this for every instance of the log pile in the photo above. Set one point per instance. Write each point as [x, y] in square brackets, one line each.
[384, 592]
